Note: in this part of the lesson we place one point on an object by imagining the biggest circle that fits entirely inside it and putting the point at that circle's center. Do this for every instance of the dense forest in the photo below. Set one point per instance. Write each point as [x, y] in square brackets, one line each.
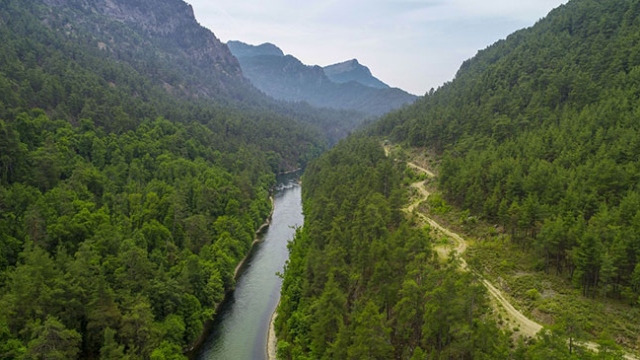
[124, 206]
[364, 281]
[136, 165]
[539, 133]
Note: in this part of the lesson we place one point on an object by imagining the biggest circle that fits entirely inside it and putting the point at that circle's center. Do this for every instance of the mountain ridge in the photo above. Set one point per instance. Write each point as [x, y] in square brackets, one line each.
[287, 78]
[352, 70]
[163, 38]
[240, 49]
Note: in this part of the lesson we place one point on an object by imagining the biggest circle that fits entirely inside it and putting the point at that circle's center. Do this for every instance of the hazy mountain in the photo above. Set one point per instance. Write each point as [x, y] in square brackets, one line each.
[163, 42]
[352, 70]
[241, 50]
[287, 78]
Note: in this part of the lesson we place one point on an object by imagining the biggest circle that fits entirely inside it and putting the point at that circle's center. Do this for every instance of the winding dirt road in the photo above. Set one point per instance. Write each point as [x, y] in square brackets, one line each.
[517, 320]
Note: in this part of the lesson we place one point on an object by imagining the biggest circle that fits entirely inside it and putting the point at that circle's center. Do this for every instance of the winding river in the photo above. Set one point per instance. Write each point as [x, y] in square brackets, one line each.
[240, 330]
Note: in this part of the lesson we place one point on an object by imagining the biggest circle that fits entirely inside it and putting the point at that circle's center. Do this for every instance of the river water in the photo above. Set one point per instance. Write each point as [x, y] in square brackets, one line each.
[240, 330]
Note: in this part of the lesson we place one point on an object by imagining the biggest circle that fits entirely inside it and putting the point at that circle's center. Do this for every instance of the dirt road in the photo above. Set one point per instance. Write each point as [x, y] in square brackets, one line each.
[518, 321]
[419, 168]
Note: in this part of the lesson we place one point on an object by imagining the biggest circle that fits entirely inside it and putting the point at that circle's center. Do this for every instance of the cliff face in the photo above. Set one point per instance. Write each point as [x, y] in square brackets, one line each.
[163, 33]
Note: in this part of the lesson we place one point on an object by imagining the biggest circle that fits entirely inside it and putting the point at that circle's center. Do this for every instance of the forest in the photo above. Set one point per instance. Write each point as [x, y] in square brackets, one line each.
[132, 183]
[537, 137]
[124, 207]
[363, 280]
[539, 134]
[362, 283]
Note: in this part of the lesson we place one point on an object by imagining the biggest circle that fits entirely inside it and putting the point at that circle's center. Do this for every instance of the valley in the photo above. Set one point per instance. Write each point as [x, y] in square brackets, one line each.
[140, 155]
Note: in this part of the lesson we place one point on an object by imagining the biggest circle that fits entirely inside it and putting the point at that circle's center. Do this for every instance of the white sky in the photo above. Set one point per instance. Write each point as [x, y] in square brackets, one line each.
[411, 44]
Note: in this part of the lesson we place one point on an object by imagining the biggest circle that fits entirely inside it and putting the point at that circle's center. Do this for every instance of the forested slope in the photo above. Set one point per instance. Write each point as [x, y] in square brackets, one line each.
[363, 283]
[124, 205]
[540, 133]
[149, 52]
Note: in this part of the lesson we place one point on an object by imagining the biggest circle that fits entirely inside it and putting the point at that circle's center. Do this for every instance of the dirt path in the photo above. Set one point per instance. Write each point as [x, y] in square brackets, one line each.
[519, 321]
[524, 325]
[419, 168]
[424, 195]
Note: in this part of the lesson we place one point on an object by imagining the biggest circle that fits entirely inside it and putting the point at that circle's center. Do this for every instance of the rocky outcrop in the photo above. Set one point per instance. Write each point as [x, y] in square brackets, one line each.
[163, 31]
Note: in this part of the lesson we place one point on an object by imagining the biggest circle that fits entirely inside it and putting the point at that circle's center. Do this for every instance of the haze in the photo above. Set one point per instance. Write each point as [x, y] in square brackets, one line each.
[413, 45]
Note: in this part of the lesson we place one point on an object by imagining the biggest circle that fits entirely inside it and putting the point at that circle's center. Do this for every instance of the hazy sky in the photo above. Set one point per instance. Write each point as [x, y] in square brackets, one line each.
[411, 44]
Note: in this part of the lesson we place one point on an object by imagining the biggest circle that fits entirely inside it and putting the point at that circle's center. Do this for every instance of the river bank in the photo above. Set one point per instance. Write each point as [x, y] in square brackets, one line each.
[272, 340]
[257, 238]
[242, 325]
[192, 352]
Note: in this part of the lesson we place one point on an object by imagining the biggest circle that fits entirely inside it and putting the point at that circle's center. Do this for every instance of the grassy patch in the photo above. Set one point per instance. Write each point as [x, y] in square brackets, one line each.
[546, 298]
[543, 297]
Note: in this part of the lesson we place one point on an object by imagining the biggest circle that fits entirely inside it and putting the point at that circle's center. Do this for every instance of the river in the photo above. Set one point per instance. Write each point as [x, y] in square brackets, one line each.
[240, 330]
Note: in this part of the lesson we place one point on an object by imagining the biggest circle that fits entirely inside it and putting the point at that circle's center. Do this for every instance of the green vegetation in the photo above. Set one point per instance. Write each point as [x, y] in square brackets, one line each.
[124, 207]
[138, 232]
[538, 134]
[361, 282]
[537, 137]
[132, 182]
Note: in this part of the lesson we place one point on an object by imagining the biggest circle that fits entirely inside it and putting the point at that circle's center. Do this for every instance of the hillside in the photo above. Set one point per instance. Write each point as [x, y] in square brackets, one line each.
[537, 135]
[286, 78]
[163, 41]
[154, 37]
[363, 281]
[136, 164]
[533, 144]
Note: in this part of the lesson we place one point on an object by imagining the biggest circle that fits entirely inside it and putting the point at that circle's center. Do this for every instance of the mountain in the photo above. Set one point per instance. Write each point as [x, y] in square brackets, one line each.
[136, 164]
[352, 70]
[539, 134]
[242, 50]
[162, 41]
[160, 37]
[287, 78]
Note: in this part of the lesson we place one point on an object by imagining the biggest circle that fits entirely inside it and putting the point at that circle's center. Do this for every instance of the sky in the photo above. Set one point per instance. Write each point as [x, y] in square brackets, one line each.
[415, 45]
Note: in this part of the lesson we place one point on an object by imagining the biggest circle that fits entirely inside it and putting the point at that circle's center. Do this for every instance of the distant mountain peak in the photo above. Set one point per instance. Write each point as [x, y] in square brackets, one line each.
[347, 86]
[352, 70]
[242, 50]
